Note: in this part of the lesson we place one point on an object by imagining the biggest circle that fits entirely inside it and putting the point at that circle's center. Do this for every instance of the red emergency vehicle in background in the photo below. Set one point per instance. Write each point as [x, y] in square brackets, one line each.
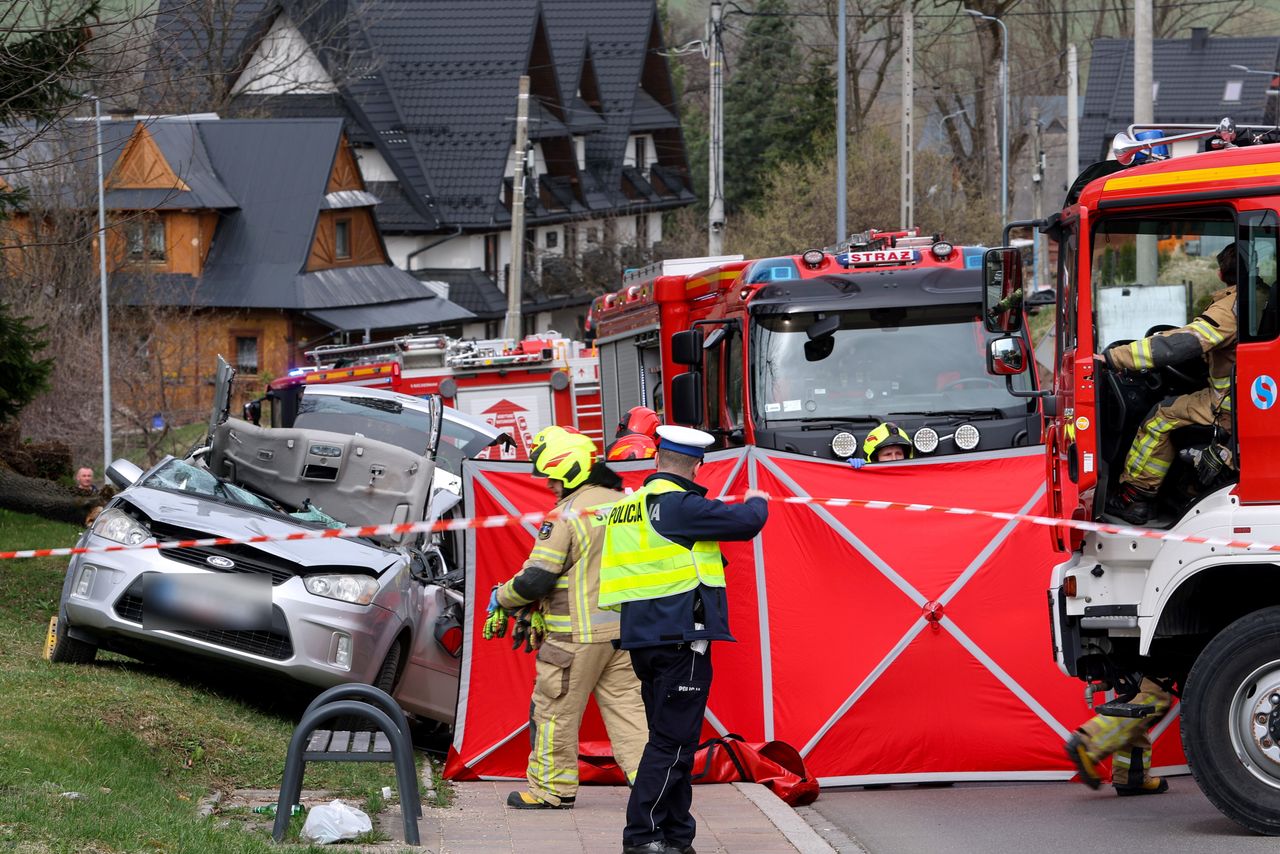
[1137, 249]
[808, 353]
[518, 387]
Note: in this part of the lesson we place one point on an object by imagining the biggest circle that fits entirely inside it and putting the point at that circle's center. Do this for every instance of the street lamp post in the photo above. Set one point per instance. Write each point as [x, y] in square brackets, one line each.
[1004, 111]
[102, 288]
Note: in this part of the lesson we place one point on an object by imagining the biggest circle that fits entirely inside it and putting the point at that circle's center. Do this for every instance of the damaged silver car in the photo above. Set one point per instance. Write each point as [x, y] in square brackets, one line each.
[382, 610]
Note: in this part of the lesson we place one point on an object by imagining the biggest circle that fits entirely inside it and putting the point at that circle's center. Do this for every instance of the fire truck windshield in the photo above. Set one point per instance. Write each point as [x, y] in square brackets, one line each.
[876, 363]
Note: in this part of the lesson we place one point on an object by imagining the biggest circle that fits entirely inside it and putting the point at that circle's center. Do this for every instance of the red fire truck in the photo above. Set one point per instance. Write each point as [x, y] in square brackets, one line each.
[808, 353]
[518, 387]
[1137, 246]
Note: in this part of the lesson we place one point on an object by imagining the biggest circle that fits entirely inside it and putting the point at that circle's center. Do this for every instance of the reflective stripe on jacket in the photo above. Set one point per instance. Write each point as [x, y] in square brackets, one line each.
[639, 563]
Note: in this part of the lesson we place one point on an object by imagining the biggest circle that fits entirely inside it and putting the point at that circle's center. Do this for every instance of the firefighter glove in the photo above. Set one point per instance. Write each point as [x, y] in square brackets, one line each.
[496, 625]
[537, 631]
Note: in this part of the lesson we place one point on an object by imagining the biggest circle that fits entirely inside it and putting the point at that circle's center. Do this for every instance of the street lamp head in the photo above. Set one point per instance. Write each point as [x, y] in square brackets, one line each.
[1243, 68]
[975, 13]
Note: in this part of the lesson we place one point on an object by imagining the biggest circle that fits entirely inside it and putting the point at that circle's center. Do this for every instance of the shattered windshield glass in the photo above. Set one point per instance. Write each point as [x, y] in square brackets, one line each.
[184, 477]
[874, 363]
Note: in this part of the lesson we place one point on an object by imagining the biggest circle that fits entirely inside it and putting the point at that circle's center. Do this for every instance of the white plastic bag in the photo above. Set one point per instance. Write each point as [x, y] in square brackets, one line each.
[335, 821]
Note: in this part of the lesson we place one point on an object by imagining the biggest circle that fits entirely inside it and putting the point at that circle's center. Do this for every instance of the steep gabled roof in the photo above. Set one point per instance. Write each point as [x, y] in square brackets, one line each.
[1191, 75]
[194, 182]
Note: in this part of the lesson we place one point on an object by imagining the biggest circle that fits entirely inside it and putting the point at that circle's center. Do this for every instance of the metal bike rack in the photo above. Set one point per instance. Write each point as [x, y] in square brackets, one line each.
[391, 743]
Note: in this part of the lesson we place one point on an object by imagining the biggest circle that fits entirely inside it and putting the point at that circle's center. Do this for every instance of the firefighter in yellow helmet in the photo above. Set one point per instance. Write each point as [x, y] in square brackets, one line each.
[577, 657]
[887, 443]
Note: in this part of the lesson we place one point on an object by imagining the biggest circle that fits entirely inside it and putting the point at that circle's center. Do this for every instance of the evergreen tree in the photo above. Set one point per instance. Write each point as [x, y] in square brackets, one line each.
[39, 69]
[775, 106]
[22, 374]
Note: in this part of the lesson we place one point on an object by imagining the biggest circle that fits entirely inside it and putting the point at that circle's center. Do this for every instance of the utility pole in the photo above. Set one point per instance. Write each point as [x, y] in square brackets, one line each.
[102, 289]
[715, 158]
[1073, 116]
[908, 130]
[842, 113]
[1037, 190]
[516, 277]
[1143, 113]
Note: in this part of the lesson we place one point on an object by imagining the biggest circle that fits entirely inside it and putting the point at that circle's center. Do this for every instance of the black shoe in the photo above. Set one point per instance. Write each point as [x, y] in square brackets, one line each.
[1152, 786]
[658, 847]
[526, 801]
[677, 848]
[1133, 505]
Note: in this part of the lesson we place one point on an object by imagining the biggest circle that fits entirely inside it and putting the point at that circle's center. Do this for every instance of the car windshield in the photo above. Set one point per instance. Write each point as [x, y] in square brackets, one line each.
[876, 363]
[184, 477]
[375, 418]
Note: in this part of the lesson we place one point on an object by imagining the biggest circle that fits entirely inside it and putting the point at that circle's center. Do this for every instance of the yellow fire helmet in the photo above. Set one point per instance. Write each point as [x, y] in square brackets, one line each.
[562, 455]
[886, 434]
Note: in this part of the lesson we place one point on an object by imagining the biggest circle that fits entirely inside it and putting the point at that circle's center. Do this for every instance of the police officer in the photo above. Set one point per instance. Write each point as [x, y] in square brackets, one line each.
[662, 565]
[577, 658]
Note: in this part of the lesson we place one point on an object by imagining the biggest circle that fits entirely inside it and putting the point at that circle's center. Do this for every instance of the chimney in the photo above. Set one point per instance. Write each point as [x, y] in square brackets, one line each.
[1199, 38]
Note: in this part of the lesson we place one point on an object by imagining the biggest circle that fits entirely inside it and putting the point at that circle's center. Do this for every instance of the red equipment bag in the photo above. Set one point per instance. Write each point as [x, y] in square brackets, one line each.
[775, 764]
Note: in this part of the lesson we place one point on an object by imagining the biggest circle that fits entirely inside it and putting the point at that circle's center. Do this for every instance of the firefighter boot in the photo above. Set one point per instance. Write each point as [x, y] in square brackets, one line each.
[1130, 772]
[1079, 755]
[526, 801]
[1132, 504]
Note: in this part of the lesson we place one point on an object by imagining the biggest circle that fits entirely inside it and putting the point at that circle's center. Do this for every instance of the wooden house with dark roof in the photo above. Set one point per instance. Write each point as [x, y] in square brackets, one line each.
[429, 96]
[262, 231]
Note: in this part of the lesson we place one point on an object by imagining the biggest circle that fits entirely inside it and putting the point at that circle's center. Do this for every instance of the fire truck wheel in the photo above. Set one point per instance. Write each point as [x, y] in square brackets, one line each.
[62, 649]
[1231, 721]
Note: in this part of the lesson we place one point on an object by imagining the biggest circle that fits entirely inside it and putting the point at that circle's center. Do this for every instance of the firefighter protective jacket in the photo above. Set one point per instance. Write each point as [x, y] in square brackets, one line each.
[1213, 334]
[564, 570]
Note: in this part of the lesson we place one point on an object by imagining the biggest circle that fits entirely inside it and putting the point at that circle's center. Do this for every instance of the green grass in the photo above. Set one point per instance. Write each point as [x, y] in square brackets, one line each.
[141, 746]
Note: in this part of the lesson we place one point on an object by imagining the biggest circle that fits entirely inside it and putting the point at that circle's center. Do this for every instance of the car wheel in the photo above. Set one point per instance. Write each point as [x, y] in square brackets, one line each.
[1231, 721]
[390, 668]
[62, 649]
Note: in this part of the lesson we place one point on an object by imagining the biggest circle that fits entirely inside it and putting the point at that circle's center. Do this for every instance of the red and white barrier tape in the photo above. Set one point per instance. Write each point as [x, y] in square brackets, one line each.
[532, 518]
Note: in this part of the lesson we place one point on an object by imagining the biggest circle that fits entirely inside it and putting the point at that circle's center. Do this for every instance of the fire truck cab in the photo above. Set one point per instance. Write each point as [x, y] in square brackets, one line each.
[808, 353]
[1197, 607]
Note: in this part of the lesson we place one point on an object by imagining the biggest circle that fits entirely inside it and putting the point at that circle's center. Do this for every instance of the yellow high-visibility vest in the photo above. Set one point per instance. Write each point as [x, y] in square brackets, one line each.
[639, 563]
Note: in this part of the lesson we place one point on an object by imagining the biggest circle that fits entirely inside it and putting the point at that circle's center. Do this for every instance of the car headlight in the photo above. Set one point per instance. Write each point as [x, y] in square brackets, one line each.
[115, 524]
[357, 589]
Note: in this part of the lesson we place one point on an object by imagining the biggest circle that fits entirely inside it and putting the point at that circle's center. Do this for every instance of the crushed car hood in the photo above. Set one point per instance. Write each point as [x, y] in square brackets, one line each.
[216, 519]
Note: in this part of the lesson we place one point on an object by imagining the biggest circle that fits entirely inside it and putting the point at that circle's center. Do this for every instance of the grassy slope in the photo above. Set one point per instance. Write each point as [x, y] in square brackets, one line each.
[140, 746]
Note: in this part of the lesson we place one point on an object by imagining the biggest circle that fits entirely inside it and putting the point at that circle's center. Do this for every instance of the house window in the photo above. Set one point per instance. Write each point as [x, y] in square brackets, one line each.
[247, 354]
[1232, 90]
[491, 255]
[553, 239]
[342, 238]
[145, 239]
[593, 234]
[642, 229]
[642, 152]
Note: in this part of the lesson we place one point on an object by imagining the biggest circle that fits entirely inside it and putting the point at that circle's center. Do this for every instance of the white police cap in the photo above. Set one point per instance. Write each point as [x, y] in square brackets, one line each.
[684, 440]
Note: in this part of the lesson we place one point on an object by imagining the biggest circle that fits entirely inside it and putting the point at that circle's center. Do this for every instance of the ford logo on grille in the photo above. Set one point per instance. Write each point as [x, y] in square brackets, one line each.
[220, 562]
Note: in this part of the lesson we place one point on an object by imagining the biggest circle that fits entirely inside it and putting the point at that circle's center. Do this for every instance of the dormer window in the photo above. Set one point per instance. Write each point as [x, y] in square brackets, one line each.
[342, 239]
[1232, 90]
[145, 238]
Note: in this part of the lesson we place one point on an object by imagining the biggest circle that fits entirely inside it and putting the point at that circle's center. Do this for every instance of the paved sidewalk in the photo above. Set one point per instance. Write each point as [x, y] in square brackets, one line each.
[739, 818]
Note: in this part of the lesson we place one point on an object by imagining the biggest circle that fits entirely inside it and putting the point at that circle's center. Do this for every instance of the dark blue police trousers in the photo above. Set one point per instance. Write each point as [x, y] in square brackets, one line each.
[674, 683]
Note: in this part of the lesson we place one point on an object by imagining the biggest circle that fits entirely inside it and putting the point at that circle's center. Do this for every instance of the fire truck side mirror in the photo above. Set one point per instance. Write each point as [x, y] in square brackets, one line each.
[1002, 290]
[686, 348]
[686, 398]
[1007, 356]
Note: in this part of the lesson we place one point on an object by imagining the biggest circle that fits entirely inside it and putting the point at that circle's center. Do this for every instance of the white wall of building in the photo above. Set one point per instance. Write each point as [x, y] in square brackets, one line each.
[284, 64]
[373, 166]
